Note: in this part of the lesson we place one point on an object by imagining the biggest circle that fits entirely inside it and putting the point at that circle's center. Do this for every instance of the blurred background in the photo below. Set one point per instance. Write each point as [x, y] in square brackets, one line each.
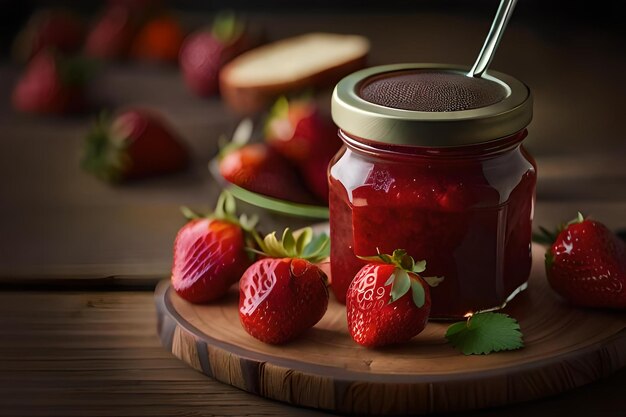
[57, 220]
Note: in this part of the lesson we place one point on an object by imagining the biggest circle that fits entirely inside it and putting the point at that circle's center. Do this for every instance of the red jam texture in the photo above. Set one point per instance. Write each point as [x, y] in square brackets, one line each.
[466, 210]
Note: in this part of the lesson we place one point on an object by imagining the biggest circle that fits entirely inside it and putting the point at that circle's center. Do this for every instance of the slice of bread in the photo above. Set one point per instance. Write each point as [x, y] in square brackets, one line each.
[254, 79]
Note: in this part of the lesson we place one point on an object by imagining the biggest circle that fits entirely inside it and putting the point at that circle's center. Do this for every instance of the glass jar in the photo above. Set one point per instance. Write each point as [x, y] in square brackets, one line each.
[458, 194]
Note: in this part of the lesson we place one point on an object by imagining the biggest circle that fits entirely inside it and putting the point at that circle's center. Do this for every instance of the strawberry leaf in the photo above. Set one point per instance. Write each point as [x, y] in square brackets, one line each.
[419, 267]
[289, 243]
[484, 333]
[418, 293]
[433, 281]
[303, 238]
[226, 27]
[401, 284]
[189, 214]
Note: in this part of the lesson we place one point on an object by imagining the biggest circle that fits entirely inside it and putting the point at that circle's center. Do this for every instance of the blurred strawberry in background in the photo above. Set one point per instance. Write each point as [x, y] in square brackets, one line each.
[205, 52]
[299, 131]
[60, 30]
[111, 33]
[158, 40]
[136, 143]
[52, 84]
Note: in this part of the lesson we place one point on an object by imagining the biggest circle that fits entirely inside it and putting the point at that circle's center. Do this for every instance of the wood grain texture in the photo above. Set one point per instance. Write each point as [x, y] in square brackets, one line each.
[84, 354]
[565, 348]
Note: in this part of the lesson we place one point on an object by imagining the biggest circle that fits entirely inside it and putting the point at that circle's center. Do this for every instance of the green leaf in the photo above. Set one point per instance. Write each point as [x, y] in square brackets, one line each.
[189, 213]
[226, 27]
[401, 284]
[484, 333]
[272, 247]
[418, 293]
[317, 249]
[419, 267]
[433, 281]
[289, 242]
[299, 244]
[303, 238]
[390, 279]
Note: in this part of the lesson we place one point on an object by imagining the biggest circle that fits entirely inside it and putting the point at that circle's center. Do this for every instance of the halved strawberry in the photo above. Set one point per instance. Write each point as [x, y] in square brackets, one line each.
[205, 52]
[51, 84]
[136, 143]
[388, 302]
[259, 168]
[285, 294]
[586, 264]
[299, 131]
[209, 253]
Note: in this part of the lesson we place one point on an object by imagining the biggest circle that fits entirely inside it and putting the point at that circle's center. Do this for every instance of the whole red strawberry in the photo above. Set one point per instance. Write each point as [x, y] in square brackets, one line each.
[60, 30]
[586, 264]
[388, 302]
[205, 52]
[136, 143]
[51, 84]
[299, 131]
[260, 169]
[209, 253]
[285, 294]
[111, 34]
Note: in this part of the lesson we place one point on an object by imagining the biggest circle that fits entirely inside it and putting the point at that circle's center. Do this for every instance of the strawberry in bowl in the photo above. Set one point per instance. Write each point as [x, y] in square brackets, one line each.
[285, 293]
[299, 131]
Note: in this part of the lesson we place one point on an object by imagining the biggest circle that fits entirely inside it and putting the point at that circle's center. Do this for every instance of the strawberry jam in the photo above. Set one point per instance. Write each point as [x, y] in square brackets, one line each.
[433, 163]
[466, 210]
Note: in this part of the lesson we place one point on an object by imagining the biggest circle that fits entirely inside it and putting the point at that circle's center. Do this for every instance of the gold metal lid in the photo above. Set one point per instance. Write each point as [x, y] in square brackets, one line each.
[475, 110]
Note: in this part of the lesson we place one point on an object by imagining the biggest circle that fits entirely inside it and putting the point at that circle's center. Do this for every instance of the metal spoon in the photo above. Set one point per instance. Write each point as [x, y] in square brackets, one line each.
[493, 38]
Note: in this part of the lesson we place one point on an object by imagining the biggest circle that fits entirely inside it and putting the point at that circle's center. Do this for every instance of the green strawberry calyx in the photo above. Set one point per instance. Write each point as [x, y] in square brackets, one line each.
[300, 244]
[405, 276]
[242, 135]
[225, 210]
[279, 124]
[548, 238]
[227, 28]
[105, 156]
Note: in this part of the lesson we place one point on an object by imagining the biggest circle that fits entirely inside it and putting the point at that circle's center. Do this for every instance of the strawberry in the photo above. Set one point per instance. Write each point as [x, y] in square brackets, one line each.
[111, 34]
[388, 302]
[209, 253]
[60, 30]
[51, 84]
[158, 40]
[285, 294]
[586, 264]
[137, 143]
[260, 169]
[300, 132]
[205, 52]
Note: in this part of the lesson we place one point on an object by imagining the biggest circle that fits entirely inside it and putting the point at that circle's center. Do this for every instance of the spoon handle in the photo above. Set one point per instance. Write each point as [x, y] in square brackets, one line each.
[493, 38]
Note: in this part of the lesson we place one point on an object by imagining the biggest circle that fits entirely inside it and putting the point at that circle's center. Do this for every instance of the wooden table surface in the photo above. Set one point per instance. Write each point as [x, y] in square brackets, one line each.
[77, 336]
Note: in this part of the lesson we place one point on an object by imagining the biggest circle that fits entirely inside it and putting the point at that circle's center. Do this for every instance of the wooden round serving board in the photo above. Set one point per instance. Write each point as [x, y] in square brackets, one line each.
[565, 348]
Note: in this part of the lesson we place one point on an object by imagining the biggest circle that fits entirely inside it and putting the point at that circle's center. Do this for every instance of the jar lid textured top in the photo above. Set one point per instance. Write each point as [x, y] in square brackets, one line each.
[430, 105]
